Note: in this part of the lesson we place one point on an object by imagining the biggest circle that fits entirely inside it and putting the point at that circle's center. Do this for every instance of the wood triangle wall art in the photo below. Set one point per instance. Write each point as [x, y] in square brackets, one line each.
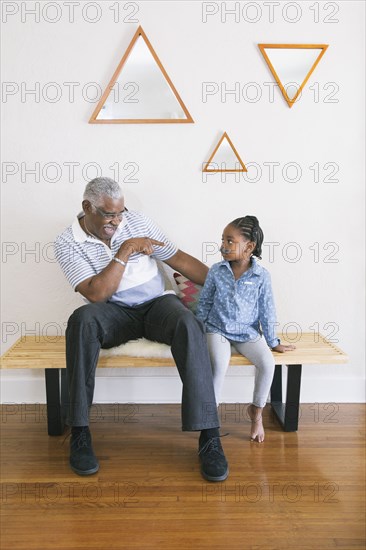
[292, 65]
[224, 158]
[140, 90]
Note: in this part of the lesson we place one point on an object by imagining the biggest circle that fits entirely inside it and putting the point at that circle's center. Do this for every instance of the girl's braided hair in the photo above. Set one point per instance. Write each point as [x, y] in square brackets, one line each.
[250, 230]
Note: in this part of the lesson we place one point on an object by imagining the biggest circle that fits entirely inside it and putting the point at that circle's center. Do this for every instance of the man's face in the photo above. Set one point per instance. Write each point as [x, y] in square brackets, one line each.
[103, 218]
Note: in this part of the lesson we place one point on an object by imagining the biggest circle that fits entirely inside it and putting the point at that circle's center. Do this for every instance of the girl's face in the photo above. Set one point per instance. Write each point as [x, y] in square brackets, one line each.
[234, 246]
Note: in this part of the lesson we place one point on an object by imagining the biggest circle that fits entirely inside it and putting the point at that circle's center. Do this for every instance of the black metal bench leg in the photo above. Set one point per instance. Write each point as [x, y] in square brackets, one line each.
[276, 388]
[292, 408]
[55, 395]
[287, 413]
[64, 396]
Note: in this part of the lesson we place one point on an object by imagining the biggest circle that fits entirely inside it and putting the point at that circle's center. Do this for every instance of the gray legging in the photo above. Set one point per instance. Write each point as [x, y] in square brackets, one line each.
[257, 351]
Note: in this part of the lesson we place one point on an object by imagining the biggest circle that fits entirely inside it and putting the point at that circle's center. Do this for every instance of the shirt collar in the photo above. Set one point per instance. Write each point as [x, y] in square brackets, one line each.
[255, 268]
[80, 236]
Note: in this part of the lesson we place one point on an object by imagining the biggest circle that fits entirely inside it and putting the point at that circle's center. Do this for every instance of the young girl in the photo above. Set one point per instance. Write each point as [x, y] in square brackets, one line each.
[236, 305]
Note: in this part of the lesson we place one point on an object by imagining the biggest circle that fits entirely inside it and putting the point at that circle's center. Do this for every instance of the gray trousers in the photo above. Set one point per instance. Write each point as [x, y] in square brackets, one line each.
[257, 351]
[164, 319]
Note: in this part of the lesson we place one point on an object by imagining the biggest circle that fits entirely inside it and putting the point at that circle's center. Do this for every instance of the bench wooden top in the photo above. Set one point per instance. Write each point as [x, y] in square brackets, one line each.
[37, 352]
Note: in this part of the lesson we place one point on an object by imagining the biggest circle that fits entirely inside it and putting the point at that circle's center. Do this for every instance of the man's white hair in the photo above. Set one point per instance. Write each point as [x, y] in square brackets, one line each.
[99, 187]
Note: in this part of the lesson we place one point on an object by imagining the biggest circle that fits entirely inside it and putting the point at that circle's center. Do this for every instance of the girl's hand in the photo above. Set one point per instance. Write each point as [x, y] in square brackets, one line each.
[282, 349]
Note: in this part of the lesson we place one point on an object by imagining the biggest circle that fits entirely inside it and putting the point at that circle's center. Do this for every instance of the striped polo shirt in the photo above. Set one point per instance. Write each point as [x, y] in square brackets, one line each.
[82, 256]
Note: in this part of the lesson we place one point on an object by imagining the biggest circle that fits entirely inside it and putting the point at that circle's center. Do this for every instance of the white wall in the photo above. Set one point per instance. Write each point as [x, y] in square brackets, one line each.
[169, 185]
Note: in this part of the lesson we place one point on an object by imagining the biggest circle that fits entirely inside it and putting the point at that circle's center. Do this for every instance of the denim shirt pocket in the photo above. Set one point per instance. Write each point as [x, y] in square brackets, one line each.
[248, 290]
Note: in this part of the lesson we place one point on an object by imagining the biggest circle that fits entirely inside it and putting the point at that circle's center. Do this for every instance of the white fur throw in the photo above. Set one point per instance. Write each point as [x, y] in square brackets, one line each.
[139, 348]
[143, 347]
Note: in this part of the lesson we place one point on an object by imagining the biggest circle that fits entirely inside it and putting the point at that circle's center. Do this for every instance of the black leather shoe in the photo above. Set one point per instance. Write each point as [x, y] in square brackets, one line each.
[214, 466]
[82, 458]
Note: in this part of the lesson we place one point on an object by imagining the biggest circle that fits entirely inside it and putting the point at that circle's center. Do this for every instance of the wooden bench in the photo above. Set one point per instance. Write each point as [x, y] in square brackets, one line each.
[37, 352]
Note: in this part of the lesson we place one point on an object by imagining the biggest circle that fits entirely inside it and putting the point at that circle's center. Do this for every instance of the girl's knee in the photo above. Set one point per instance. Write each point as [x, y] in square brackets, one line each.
[266, 364]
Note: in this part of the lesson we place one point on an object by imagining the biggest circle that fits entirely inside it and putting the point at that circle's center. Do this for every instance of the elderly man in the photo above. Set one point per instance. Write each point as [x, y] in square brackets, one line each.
[108, 256]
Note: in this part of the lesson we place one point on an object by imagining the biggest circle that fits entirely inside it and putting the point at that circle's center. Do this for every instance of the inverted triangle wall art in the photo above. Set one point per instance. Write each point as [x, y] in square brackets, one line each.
[224, 158]
[140, 91]
[292, 65]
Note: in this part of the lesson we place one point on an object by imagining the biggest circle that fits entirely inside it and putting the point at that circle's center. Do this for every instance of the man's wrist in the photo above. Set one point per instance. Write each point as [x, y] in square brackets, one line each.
[118, 261]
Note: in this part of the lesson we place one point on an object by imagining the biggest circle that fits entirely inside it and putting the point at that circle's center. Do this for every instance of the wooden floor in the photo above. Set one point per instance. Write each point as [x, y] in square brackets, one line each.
[301, 490]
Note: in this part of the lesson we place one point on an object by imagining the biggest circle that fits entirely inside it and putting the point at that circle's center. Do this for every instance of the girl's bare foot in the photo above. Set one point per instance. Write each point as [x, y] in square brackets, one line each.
[257, 429]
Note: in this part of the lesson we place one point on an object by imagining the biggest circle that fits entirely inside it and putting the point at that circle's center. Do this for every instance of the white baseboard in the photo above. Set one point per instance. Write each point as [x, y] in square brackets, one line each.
[165, 387]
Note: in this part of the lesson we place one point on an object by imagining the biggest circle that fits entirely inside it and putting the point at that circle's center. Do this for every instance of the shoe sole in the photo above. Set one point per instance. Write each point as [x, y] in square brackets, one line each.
[85, 472]
[212, 478]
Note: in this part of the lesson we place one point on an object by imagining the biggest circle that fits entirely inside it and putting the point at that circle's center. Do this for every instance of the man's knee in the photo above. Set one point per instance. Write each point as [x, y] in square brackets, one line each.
[189, 322]
[85, 318]
[85, 313]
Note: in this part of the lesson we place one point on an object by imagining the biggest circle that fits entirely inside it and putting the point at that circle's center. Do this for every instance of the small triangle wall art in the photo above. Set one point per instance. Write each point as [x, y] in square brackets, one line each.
[224, 158]
[140, 90]
[292, 65]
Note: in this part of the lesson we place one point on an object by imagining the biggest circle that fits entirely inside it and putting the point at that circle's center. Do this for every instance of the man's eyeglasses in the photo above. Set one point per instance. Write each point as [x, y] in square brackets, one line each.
[109, 216]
